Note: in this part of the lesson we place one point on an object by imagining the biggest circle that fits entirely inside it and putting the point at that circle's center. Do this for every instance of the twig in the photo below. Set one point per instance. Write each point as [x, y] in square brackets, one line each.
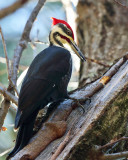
[12, 8]
[7, 62]
[14, 107]
[115, 155]
[39, 42]
[8, 95]
[111, 143]
[61, 146]
[97, 62]
[121, 4]
[21, 67]
[14, 86]
[5, 51]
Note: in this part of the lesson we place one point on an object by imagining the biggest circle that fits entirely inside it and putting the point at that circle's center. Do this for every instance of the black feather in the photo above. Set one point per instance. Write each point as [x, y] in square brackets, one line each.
[46, 81]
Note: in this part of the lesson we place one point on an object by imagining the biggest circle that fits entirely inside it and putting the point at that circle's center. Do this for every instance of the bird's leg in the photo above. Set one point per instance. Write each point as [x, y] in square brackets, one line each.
[77, 101]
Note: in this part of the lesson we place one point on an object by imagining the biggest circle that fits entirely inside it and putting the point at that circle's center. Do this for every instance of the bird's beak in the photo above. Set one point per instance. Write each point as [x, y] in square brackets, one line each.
[77, 50]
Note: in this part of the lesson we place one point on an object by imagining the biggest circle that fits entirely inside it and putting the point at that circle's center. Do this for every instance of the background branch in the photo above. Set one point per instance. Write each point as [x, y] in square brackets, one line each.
[6, 11]
[9, 96]
[5, 51]
[7, 62]
[124, 6]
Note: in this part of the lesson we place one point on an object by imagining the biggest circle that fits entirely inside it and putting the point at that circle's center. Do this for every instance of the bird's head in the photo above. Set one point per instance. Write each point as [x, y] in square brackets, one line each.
[62, 35]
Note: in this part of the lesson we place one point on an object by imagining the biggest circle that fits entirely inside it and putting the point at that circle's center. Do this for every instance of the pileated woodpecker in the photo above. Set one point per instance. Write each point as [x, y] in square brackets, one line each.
[46, 80]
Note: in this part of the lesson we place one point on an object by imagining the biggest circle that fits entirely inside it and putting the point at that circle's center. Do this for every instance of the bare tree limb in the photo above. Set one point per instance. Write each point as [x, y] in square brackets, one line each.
[97, 62]
[111, 143]
[8, 96]
[5, 51]
[61, 146]
[21, 67]
[6, 11]
[115, 155]
[7, 62]
[126, 7]
[46, 134]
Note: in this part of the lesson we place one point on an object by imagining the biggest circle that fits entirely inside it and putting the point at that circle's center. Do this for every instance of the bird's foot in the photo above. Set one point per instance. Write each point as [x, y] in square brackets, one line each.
[79, 101]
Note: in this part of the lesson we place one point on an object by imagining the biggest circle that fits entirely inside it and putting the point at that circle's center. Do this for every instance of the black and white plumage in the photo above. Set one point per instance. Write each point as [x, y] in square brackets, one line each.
[46, 81]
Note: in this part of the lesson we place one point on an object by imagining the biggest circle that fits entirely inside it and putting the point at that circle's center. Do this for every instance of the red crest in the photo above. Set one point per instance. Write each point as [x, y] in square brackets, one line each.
[56, 21]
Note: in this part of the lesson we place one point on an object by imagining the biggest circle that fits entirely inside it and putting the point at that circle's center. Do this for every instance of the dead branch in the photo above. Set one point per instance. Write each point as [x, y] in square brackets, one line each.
[115, 155]
[112, 143]
[7, 62]
[21, 67]
[97, 62]
[6, 11]
[61, 146]
[5, 104]
[9, 96]
[46, 134]
[5, 51]
[126, 7]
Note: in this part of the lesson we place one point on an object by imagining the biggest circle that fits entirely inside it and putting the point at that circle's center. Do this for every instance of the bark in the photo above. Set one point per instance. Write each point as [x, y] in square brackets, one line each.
[104, 119]
[102, 34]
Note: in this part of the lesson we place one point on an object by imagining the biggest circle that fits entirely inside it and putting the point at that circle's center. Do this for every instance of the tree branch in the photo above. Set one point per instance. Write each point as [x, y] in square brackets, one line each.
[115, 155]
[9, 96]
[111, 143]
[7, 62]
[5, 51]
[46, 133]
[6, 11]
[61, 146]
[126, 7]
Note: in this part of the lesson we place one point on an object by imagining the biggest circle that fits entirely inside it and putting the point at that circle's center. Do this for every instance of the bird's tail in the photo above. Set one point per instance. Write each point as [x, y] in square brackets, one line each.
[24, 134]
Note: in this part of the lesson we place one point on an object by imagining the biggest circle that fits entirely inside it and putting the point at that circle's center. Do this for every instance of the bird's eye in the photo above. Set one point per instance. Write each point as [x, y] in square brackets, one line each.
[68, 32]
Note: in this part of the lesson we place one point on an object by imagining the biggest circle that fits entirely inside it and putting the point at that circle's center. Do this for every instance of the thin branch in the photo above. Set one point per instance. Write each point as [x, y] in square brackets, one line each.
[97, 62]
[39, 42]
[12, 8]
[5, 51]
[61, 146]
[7, 62]
[115, 155]
[14, 86]
[21, 67]
[111, 143]
[126, 7]
[8, 95]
